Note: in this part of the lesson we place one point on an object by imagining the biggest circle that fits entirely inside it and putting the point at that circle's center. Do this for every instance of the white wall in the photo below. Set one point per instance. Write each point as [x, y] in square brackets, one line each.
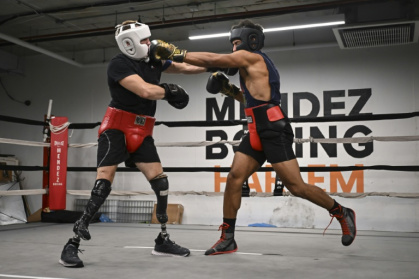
[391, 73]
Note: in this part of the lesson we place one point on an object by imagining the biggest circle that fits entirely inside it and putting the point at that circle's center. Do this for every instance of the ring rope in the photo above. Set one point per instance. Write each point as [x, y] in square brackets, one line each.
[407, 168]
[202, 193]
[60, 128]
[361, 117]
[233, 143]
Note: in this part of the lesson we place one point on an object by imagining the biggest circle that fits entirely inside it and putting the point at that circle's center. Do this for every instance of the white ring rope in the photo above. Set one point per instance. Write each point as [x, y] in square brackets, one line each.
[233, 143]
[202, 193]
[60, 128]
[24, 142]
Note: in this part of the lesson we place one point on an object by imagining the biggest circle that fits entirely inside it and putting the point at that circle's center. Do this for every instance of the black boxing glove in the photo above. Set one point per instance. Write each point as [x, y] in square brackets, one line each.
[214, 83]
[173, 92]
[219, 82]
[180, 104]
[175, 95]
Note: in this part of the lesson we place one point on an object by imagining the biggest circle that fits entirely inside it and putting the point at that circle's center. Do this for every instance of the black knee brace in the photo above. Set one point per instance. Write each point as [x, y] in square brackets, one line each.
[160, 186]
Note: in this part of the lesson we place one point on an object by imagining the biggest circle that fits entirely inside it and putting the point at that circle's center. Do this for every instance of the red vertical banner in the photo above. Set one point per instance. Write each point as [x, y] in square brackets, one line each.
[58, 164]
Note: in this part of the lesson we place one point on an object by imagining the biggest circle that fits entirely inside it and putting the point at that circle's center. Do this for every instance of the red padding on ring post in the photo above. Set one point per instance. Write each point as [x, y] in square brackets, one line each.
[58, 166]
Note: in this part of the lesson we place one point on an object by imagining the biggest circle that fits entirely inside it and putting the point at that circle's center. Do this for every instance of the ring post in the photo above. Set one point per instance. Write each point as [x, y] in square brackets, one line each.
[58, 165]
[45, 173]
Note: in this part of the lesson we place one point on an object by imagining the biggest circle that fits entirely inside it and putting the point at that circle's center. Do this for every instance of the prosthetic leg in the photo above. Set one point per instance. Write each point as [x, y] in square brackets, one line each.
[160, 186]
[69, 255]
[164, 246]
[98, 196]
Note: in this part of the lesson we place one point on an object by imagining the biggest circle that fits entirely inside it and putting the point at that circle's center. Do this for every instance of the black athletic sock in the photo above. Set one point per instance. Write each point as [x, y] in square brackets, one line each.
[231, 223]
[335, 206]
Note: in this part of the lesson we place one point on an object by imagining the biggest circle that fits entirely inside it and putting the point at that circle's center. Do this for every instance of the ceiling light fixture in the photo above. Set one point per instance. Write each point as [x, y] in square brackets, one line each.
[285, 28]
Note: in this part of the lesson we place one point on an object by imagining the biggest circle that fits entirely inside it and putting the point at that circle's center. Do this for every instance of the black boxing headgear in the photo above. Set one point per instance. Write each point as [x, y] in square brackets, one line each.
[252, 39]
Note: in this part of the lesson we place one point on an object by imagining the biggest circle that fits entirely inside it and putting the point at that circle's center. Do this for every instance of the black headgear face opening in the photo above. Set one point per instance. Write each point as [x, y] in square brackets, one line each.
[251, 39]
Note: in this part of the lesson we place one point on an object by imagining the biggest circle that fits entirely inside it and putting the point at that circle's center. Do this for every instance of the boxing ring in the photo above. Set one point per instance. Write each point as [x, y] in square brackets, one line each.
[272, 251]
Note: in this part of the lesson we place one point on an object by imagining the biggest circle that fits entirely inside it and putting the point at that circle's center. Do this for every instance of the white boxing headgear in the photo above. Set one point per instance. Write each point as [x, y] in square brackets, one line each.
[129, 36]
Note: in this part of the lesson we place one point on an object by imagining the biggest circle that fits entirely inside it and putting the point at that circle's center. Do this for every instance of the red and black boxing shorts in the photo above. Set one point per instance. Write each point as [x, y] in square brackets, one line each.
[270, 135]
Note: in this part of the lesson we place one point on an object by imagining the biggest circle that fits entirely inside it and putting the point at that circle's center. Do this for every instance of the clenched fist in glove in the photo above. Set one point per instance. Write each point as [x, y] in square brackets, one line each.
[219, 82]
[175, 95]
[161, 50]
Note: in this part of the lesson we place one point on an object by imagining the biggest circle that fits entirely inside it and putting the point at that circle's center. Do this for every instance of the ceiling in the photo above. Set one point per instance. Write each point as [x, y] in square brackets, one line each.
[72, 26]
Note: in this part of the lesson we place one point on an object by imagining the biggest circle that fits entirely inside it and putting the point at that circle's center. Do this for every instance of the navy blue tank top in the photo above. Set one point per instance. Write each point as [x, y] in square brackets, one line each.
[273, 81]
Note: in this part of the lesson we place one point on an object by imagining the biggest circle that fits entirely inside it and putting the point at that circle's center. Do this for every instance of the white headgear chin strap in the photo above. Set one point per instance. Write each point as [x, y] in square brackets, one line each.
[129, 37]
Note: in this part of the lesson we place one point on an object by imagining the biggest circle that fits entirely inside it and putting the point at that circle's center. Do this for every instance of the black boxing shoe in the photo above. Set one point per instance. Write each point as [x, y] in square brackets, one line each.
[165, 247]
[69, 255]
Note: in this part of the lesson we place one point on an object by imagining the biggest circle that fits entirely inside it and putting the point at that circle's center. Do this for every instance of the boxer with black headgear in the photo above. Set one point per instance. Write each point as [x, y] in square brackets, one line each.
[270, 136]
[251, 38]
[126, 132]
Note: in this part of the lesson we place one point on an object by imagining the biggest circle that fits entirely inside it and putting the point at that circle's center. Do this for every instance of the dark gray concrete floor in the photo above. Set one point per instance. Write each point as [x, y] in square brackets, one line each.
[120, 251]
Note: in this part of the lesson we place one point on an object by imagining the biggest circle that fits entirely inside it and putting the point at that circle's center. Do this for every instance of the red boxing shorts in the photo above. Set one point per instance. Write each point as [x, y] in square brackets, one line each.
[135, 127]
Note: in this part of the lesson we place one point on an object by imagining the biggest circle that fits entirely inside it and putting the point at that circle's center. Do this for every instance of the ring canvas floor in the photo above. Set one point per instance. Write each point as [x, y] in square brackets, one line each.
[123, 251]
